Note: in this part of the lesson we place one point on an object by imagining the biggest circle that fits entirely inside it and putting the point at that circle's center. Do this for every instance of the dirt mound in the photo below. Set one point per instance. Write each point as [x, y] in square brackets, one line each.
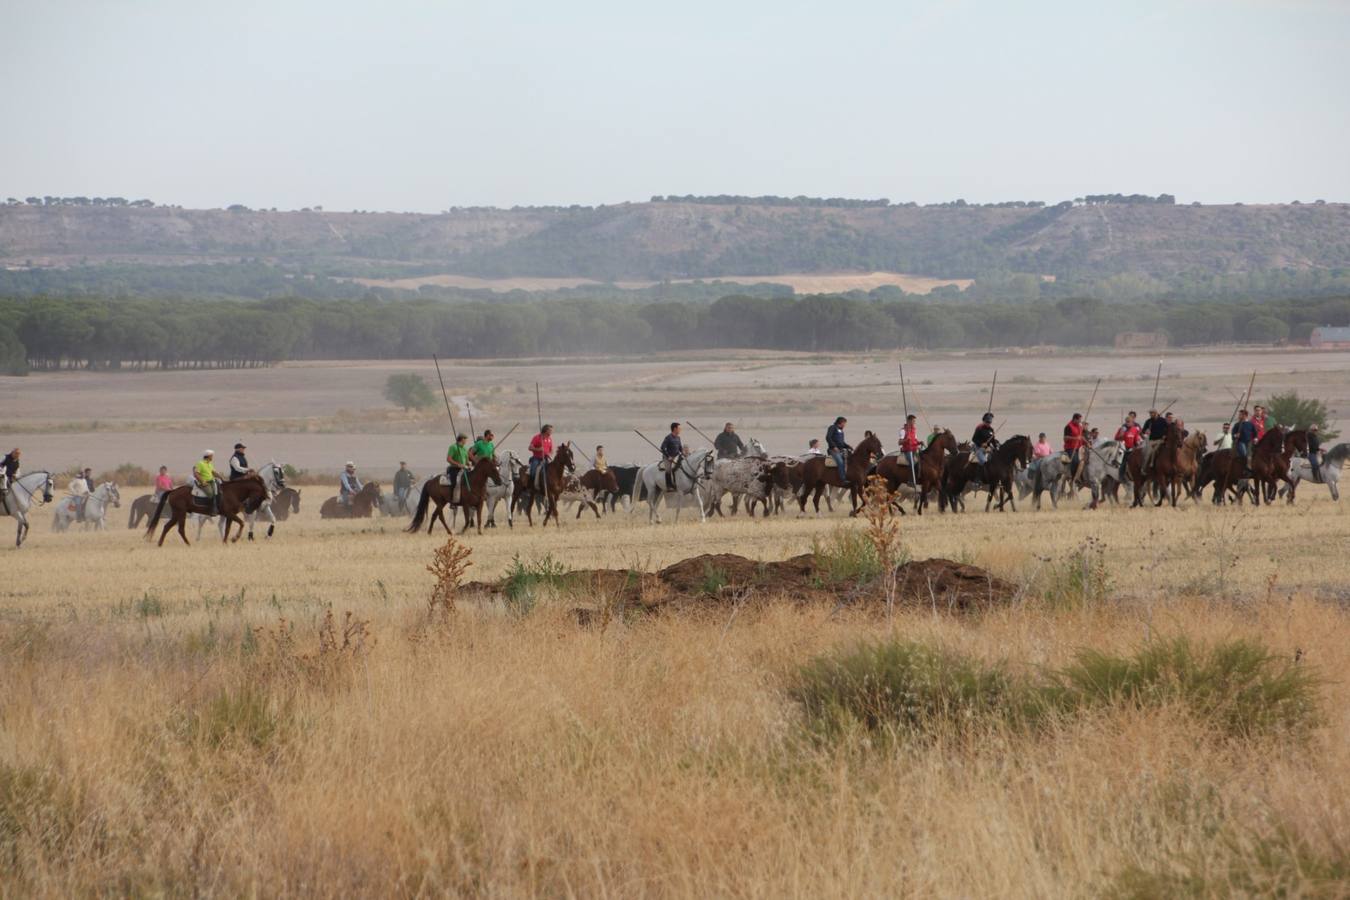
[724, 579]
[947, 585]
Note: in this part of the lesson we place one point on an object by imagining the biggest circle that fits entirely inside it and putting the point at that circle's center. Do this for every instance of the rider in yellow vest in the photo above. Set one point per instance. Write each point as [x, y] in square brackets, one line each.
[204, 472]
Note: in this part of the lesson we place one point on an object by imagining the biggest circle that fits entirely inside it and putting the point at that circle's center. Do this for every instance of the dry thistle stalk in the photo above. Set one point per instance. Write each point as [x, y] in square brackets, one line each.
[883, 531]
[449, 563]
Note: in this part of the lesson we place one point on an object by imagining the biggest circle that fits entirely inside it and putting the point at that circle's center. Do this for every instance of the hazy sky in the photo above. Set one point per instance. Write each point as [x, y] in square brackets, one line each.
[424, 105]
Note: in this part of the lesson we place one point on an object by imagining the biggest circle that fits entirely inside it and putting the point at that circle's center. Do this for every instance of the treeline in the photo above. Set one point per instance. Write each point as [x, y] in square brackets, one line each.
[842, 202]
[1097, 199]
[51, 333]
[79, 201]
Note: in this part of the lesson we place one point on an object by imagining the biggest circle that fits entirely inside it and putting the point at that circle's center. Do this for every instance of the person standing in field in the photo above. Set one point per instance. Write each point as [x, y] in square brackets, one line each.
[403, 482]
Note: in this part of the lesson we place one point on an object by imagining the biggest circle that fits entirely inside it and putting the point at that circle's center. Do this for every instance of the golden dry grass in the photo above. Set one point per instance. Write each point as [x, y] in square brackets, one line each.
[160, 732]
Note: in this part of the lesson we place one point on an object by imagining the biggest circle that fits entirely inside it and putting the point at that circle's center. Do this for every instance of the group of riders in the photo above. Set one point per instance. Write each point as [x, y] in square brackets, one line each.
[461, 457]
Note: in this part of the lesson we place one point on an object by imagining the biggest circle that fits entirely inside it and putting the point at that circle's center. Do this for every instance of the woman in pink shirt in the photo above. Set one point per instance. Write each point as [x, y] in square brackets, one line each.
[163, 482]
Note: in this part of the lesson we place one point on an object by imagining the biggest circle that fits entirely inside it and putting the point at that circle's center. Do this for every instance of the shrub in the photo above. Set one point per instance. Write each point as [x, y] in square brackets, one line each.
[907, 688]
[409, 391]
[524, 579]
[847, 555]
[1293, 411]
[126, 473]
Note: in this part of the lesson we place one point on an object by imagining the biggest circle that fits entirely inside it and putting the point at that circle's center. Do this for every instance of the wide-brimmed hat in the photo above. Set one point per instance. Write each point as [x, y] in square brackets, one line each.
[240, 446]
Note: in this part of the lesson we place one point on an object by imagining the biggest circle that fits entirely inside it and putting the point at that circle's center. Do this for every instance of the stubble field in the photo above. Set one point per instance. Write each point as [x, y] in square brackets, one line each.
[176, 721]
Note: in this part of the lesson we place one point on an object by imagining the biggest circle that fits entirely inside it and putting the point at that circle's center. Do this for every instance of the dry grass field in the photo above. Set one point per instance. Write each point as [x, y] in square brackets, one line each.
[174, 721]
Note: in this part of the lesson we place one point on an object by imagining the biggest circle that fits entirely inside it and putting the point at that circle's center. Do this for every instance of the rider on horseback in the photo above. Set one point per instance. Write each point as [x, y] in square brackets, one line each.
[1315, 453]
[983, 440]
[79, 489]
[909, 448]
[457, 464]
[672, 452]
[238, 463]
[1128, 435]
[348, 484]
[163, 482]
[728, 443]
[541, 451]
[838, 448]
[204, 472]
[1073, 442]
[9, 471]
[1244, 436]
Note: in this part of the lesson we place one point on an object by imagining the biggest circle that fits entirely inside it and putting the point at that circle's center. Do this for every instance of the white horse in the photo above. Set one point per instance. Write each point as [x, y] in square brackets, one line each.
[510, 465]
[274, 476]
[691, 474]
[18, 500]
[1301, 470]
[389, 505]
[95, 508]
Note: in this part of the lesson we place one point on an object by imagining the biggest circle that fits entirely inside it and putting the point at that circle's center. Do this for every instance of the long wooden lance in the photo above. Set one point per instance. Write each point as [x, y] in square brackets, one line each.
[993, 387]
[1250, 386]
[444, 395]
[696, 428]
[507, 435]
[919, 404]
[538, 407]
[1163, 411]
[904, 396]
[1153, 404]
[583, 453]
[644, 437]
[1091, 401]
[468, 407]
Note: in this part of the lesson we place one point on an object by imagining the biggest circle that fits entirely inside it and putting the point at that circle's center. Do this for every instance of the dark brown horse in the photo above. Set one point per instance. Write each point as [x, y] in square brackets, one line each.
[471, 498]
[932, 464]
[286, 501]
[363, 504]
[556, 471]
[817, 476]
[243, 495]
[1166, 474]
[996, 474]
[1268, 466]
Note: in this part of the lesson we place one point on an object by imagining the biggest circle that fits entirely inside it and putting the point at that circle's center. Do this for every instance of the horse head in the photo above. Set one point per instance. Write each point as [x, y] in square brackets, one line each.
[48, 487]
[112, 495]
[564, 457]
[944, 442]
[1017, 449]
[756, 448]
[488, 465]
[869, 448]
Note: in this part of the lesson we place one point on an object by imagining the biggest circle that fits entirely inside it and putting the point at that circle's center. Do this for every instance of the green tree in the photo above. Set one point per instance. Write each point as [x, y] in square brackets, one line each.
[13, 356]
[1266, 329]
[408, 391]
[1293, 411]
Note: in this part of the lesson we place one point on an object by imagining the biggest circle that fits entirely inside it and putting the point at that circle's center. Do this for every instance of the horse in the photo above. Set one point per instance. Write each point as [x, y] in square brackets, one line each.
[95, 508]
[143, 507]
[286, 502]
[471, 498]
[692, 472]
[363, 504]
[18, 499]
[1167, 472]
[1048, 474]
[1226, 469]
[1301, 470]
[554, 475]
[510, 465]
[996, 473]
[273, 475]
[241, 495]
[390, 506]
[819, 472]
[932, 463]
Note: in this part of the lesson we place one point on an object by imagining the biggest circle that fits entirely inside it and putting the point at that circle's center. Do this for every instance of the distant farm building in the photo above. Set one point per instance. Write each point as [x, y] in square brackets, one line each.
[1141, 340]
[1329, 338]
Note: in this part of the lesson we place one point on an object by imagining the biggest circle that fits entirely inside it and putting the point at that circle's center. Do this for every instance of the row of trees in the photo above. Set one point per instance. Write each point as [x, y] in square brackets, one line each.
[49, 333]
[78, 201]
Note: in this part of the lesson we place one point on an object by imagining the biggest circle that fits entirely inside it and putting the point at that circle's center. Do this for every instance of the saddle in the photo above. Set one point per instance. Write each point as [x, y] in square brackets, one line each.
[831, 464]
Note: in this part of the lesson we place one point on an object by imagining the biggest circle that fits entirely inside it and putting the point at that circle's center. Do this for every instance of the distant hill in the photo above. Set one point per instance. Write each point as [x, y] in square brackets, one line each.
[677, 238]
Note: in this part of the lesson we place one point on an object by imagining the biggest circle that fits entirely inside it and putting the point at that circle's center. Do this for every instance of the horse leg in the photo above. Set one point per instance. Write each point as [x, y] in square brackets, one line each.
[182, 528]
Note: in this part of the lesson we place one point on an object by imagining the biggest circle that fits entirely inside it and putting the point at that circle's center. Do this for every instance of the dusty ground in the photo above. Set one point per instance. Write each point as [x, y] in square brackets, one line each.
[317, 415]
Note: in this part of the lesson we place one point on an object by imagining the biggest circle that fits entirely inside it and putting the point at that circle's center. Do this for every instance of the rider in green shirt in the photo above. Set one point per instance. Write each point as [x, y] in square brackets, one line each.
[457, 460]
[483, 448]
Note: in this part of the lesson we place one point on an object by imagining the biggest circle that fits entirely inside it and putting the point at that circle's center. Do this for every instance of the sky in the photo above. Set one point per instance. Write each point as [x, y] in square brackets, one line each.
[421, 106]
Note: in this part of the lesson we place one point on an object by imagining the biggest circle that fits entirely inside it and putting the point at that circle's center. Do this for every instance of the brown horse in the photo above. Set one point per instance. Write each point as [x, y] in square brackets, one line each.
[363, 504]
[816, 475]
[1188, 461]
[471, 498]
[1166, 472]
[1268, 466]
[286, 501]
[932, 463]
[143, 507]
[996, 473]
[556, 471]
[241, 495]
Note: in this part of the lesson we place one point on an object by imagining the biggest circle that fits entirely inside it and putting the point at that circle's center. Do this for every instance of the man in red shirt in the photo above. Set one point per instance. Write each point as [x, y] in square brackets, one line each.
[1129, 436]
[1073, 442]
[1259, 420]
[909, 449]
[541, 450]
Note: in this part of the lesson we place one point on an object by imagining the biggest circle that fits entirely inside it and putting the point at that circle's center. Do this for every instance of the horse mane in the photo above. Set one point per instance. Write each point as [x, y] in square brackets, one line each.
[1272, 437]
[1338, 453]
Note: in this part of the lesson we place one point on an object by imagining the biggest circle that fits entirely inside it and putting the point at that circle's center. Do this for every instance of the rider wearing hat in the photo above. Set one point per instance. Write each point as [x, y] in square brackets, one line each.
[204, 472]
[457, 462]
[348, 484]
[983, 439]
[238, 463]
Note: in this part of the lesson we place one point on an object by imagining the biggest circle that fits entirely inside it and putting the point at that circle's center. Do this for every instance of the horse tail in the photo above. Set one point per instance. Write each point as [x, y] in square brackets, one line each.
[131, 521]
[421, 513]
[159, 510]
